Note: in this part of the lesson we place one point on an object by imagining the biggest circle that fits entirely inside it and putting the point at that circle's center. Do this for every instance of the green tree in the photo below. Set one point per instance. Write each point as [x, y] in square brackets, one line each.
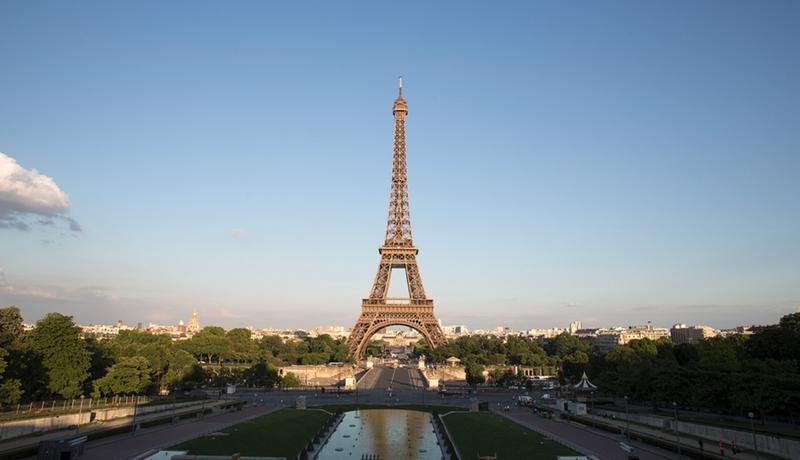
[158, 349]
[314, 358]
[63, 352]
[129, 376]
[262, 374]
[270, 347]
[102, 357]
[180, 369]
[243, 348]
[211, 342]
[10, 389]
[290, 381]
[10, 326]
[474, 374]
[375, 348]
[11, 344]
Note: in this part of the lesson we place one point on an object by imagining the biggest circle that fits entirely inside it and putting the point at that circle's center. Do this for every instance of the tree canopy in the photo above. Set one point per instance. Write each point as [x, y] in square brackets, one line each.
[63, 353]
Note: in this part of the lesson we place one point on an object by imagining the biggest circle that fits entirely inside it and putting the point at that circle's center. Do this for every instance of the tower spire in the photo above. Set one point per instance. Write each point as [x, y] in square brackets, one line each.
[398, 225]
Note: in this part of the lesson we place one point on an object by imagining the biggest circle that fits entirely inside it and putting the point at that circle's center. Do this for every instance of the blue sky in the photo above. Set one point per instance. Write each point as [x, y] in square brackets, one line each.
[612, 162]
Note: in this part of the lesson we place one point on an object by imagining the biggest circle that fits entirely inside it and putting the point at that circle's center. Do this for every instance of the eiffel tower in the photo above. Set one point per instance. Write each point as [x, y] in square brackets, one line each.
[397, 252]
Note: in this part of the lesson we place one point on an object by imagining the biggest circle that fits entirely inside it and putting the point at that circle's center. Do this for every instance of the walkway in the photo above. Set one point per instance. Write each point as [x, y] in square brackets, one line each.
[24, 442]
[127, 446]
[604, 446]
[687, 442]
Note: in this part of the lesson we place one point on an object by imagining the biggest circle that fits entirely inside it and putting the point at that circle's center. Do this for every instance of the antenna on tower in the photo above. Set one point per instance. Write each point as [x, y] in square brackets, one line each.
[401, 86]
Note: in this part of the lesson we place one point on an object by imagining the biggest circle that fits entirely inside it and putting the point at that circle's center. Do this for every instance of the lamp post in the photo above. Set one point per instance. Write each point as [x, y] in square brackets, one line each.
[80, 410]
[753, 430]
[627, 420]
[135, 405]
[173, 404]
[677, 437]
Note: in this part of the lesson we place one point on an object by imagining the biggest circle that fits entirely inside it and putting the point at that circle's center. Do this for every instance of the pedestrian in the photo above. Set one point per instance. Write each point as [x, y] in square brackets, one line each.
[721, 448]
[733, 447]
[700, 443]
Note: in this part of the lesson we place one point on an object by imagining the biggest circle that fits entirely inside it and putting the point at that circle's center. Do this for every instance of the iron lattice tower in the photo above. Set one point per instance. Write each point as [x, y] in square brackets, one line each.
[398, 251]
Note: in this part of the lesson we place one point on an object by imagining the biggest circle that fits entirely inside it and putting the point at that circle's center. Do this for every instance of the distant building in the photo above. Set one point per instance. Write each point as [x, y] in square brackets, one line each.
[607, 339]
[574, 327]
[738, 330]
[194, 324]
[337, 332]
[455, 331]
[104, 331]
[681, 333]
[586, 332]
[544, 333]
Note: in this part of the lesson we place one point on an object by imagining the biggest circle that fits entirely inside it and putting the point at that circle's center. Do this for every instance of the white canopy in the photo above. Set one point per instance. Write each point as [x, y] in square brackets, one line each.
[585, 384]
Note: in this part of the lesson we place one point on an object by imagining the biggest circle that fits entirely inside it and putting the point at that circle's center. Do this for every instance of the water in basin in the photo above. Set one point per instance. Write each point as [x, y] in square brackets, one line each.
[387, 433]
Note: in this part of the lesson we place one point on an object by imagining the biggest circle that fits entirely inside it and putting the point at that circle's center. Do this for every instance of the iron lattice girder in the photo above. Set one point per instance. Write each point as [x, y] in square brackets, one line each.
[398, 251]
[376, 316]
[398, 223]
[394, 257]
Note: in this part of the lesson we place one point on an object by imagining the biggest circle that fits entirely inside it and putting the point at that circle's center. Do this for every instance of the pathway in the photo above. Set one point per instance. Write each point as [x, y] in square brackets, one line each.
[129, 446]
[604, 446]
[687, 442]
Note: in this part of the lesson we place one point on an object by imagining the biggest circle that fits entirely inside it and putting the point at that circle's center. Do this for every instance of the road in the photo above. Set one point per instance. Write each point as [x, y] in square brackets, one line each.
[385, 377]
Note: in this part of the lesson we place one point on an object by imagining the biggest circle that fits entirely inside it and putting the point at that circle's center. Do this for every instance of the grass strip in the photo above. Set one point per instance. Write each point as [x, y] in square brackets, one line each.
[279, 434]
[484, 433]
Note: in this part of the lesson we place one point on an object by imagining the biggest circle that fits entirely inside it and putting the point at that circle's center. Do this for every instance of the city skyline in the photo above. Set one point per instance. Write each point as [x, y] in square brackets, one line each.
[599, 163]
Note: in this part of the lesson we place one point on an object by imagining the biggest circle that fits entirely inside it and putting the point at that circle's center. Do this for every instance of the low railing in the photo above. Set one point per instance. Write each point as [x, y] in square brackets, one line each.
[62, 406]
[320, 438]
[448, 448]
[367, 303]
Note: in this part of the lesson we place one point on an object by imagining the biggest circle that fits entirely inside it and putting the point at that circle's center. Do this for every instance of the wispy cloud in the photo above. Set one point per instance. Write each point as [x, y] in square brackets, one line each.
[28, 198]
[240, 233]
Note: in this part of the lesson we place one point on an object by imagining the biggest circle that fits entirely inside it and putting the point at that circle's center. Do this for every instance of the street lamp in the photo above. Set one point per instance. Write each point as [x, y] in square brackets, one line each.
[80, 410]
[753, 430]
[677, 438]
[627, 420]
[135, 404]
[174, 391]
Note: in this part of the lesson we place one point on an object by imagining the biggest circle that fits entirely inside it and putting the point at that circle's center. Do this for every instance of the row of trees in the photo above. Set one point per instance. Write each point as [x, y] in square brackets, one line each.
[735, 374]
[54, 359]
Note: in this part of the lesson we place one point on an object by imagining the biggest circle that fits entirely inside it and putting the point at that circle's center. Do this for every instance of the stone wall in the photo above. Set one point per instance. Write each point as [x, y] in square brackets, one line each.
[17, 428]
[446, 373]
[321, 375]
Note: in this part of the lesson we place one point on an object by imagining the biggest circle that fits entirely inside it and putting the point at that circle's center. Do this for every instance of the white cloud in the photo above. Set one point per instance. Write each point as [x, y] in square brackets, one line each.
[26, 192]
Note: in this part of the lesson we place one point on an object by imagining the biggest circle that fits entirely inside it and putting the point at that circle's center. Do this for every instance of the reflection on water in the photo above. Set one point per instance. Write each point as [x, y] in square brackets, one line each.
[387, 433]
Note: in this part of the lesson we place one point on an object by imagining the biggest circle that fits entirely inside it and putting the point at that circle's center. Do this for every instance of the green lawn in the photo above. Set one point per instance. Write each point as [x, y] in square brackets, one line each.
[279, 434]
[486, 434]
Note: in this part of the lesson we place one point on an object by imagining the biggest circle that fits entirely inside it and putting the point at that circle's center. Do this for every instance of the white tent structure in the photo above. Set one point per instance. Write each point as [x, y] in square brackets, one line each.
[585, 384]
